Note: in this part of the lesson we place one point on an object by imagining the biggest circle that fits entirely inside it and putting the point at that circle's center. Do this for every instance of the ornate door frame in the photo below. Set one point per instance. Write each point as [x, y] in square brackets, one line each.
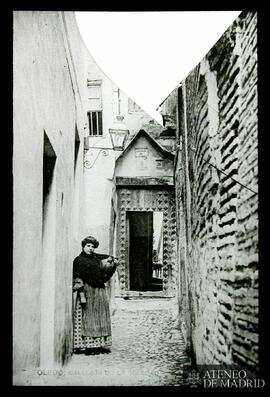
[159, 198]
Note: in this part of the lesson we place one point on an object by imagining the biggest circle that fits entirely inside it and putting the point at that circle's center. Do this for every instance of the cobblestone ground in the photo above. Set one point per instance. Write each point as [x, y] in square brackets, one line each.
[148, 350]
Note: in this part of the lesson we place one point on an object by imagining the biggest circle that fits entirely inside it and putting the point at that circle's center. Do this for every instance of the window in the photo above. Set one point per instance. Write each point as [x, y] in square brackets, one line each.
[95, 123]
[94, 107]
[133, 107]
[94, 94]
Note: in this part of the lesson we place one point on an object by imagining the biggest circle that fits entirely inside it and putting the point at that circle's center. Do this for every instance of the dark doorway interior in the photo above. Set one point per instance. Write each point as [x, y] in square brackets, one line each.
[141, 252]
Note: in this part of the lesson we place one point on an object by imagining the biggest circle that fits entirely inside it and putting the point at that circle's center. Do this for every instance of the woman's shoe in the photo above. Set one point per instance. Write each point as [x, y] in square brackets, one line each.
[92, 351]
[78, 351]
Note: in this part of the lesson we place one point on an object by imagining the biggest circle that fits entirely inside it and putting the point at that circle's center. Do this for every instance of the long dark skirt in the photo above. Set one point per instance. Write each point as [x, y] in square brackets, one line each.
[92, 322]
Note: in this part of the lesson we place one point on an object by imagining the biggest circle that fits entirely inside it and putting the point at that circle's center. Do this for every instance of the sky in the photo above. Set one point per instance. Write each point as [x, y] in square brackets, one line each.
[147, 54]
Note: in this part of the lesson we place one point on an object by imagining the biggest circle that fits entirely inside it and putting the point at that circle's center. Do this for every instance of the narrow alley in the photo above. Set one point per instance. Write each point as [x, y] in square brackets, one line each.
[170, 208]
[148, 350]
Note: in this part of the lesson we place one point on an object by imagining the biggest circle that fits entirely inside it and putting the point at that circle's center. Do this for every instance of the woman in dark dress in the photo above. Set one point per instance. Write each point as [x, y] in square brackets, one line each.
[92, 323]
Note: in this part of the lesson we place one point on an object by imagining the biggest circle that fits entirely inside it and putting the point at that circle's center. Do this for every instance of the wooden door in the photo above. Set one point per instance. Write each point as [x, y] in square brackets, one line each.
[140, 249]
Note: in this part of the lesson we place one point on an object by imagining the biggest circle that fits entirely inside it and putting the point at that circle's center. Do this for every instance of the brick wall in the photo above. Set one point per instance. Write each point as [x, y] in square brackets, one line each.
[216, 185]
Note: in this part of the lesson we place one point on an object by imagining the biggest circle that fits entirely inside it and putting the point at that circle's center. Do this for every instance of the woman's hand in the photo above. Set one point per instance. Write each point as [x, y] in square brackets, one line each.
[77, 284]
[116, 261]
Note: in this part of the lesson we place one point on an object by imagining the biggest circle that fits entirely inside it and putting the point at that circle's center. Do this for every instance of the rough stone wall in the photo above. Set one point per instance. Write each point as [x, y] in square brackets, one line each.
[46, 101]
[216, 193]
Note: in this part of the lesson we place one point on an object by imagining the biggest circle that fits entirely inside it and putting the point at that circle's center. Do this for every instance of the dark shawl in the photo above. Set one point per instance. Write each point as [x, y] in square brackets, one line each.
[91, 270]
